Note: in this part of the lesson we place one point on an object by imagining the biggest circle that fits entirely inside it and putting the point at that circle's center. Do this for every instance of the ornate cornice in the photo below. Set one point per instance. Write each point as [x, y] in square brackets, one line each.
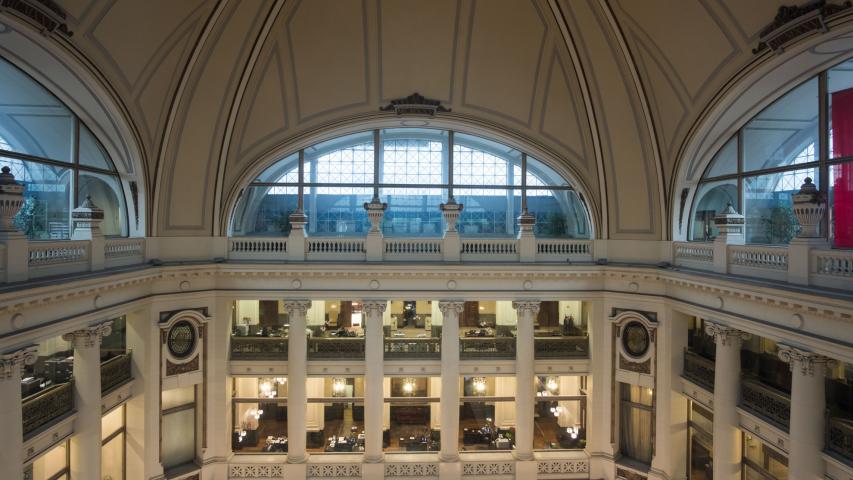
[725, 336]
[9, 361]
[374, 307]
[526, 306]
[809, 363]
[448, 307]
[89, 337]
[792, 22]
[415, 104]
[293, 307]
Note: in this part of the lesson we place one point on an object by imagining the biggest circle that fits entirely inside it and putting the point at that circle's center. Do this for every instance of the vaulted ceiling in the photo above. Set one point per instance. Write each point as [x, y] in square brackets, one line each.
[611, 88]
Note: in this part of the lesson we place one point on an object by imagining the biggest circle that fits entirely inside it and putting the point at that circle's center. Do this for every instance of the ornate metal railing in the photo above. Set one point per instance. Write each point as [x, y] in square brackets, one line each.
[498, 347]
[336, 348]
[699, 370]
[766, 402]
[415, 348]
[258, 348]
[561, 347]
[46, 406]
[839, 437]
[115, 372]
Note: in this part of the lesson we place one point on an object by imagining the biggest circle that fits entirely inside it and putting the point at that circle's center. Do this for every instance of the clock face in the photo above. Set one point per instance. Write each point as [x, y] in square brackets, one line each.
[635, 339]
[181, 339]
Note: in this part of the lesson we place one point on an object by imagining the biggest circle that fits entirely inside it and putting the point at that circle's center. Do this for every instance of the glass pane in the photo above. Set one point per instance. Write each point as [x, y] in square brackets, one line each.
[725, 161]
[413, 212]
[45, 214]
[781, 133]
[264, 211]
[414, 156]
[487, 425]
[105, 192]
[711, 198]
[112, 459]
[345, 164]
[116, 342]
[285, 170]
[33, 121]
[488, 212]
[337, 211]
[559, 214]
[112, 421]
[477, 161]
[559, 424]
[178, 438]
[767, 199]
[52, 462]
[92, 153]
[260, 426]
[840, 83]
[841, 204]
[539, 174]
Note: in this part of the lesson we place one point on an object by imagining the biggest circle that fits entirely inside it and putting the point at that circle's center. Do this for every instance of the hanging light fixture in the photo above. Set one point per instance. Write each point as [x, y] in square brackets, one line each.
[479, 384]
[409, 386]
[266, 389]
[338, 386]
[551, 384]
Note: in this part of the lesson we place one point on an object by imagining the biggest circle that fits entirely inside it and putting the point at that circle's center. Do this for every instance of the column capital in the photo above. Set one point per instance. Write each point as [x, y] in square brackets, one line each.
[451, 306]
[8, 362]
[522, 306]
[376, 307]
[89, 337]
[724, 335]
[297, 306]
[807, 362]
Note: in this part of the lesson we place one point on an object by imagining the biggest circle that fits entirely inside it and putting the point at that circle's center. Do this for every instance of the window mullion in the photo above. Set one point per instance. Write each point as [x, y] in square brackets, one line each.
[823, 147]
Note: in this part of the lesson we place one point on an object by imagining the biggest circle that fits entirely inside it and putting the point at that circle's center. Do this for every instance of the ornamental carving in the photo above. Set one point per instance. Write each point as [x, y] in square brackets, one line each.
[451, 307]
[46, 14]
[10, 361]
[294, 307]
[488, 468]
[179, 368]
[809, 363]
[563, 466]
[330, 470]
[795, 21]
[415, 104]
[89, 337]
[374, 307]
[252, 471]
[725, 336]
[530, 307]
[637, 367]
[419, 470]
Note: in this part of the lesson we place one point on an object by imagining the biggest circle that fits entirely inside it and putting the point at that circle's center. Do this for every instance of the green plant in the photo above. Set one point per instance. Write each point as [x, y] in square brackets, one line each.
[780, 225]
[31, 218]
[554, 225]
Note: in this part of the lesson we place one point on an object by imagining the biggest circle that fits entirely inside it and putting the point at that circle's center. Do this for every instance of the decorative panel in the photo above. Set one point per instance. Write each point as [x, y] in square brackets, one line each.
[255, 471]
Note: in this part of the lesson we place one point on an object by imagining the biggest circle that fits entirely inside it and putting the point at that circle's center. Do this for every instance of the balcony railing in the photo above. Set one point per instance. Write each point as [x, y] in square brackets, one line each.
[477, 348]
[336, 349]
[115, 372]
[766, 402]
[699, 370]
[47, 406]
[412, 348]
[561, 347]
[258, 348]
[839, 438]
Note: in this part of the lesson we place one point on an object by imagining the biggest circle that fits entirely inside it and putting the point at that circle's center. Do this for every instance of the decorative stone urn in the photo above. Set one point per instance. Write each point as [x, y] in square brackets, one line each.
[375, 213]
[729, 222]
[11, 200]
[809, 207]
[451, 211]
[86, 220]
[526, 222]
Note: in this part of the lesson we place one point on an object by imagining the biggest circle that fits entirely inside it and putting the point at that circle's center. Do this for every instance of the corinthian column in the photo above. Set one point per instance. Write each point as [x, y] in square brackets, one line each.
[86, 442]
[808, 403]
[450, 380]
[727, 436]
[297, 373]
[524, 381]
[12, 453]
[374, 394]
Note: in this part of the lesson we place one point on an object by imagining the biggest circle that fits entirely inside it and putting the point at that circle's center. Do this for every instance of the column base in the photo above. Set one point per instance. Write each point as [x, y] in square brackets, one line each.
[450, 470]
[297, 460]
[523, 457]
[296, 470]
[448, 458]
[374, 458]
[373, 470]
[525, 468]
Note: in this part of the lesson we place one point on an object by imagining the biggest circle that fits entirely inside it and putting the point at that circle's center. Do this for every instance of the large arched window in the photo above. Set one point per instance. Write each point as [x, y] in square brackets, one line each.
[413, 170]
[806, 133]
[56, 157]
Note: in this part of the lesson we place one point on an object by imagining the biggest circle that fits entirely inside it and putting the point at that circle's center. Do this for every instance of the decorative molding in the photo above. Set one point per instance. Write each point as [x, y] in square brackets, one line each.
[89, 337]
[415, 104]
[293, 307]
[487, 469]
[637, 367]
[526, 306]
[335, 470]
[179, 368]
[9, 361]
[725, 336]
[406, 470]
[792, 22]
[374, 307]
[809, 363]
[447, 308]
[46, 14]
[563, 466]
[255, 471]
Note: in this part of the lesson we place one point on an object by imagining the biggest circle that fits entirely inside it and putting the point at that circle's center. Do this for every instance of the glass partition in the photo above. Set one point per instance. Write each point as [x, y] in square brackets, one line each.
[487, 413]
[335, 416]
[560, 413]
[259, 415]
[411, 414]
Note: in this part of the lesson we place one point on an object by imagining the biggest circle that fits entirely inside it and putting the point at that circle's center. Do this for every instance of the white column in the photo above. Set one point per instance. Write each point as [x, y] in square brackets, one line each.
[450, 380]
[808, 403]
[600, 385]
[727, 434]
[524, 375]
[297, 373]
[12, 453]
[373, 377]
[86, 441]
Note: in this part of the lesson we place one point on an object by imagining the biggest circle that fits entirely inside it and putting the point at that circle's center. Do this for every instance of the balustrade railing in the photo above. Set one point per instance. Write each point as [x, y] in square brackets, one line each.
[561, 347]
[766, 402]
[487, 347]
[335, 249]
[699, 370]
[46, 407]
[839, 437]
[413, 248]
[336, 348]
[258, 348]
[115, 372]
[412, 348]
[115, 248]
[834, 263]
[257, 248]
[686, 252]
[561, 250]
[56, 258]
[767, 257]
[489, 248]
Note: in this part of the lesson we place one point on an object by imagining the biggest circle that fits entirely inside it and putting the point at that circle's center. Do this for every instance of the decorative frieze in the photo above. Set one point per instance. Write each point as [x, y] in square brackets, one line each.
[808, 363]
[411, 470]
[641, 367]
[724, 335]
[795, 21]
[89, 337]
[180, 368]
[487, 469]
[335, 470]
[415, 104]
[255, 471]
[563, 466]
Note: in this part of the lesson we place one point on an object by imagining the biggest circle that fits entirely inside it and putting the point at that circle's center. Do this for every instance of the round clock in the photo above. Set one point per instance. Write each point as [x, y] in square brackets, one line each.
[181, 339]
[635, 339]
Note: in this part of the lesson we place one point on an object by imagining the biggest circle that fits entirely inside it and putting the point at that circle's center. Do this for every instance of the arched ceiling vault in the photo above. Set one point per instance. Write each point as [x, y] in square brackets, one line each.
[612, 89]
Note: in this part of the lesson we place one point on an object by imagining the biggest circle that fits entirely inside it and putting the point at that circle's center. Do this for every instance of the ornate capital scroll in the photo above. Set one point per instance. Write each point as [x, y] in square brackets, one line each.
[293, 307]
[89, 337]
[725, 336]
[523, 306]
[807, 362]
[374, 307]
[8, 362]
[453, 306]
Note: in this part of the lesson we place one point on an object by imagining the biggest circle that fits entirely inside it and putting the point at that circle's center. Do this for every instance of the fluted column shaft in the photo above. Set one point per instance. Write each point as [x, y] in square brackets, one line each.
[86, 442]
[524, 378]
[450, 380]
[808, 403]
[727, 435]
[374, 394]
[12, 453]
[297, 373]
